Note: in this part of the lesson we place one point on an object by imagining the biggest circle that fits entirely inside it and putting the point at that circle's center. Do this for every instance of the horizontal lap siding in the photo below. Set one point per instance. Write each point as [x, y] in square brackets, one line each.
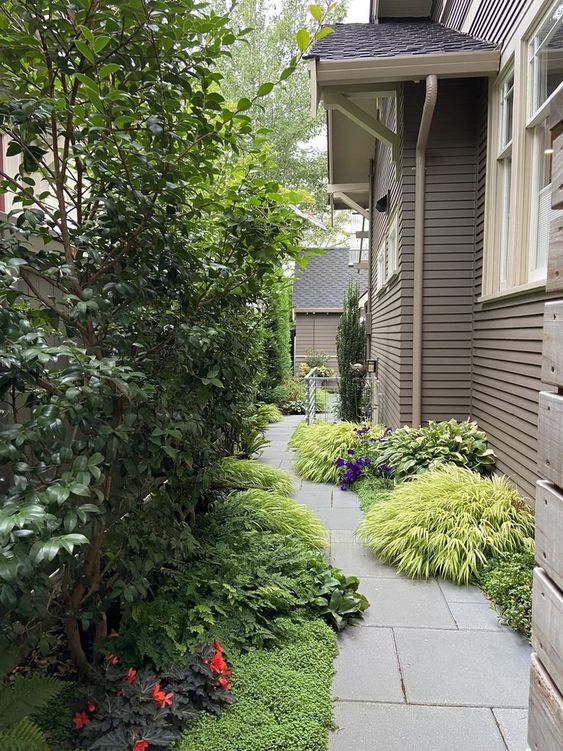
[316, 331]
[495, 20]
[391, 308]
[449, 243]
[506, 364]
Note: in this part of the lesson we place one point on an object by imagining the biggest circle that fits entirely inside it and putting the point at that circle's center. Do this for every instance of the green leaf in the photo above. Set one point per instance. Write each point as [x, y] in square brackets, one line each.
[101, 42]
[244, 104]
[107, 69]
[322, 33]
[303, 39]
[265, 89]
[316, 12]
[79, 488]
[85, 51]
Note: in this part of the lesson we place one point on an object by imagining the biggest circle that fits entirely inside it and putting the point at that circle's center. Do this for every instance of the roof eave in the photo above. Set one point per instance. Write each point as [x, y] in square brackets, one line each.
[371, 70]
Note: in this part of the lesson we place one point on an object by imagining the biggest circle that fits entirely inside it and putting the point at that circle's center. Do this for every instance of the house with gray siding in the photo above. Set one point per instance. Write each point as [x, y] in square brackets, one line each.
[437, 130]
[318, 296]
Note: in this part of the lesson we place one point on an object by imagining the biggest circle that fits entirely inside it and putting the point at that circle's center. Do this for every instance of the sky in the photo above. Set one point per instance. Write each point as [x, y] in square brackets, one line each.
[358, 11]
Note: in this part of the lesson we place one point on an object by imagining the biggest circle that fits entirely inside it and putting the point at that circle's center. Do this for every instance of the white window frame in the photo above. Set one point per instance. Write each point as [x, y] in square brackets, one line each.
[380, 266]
[505, 101]
[393, 246]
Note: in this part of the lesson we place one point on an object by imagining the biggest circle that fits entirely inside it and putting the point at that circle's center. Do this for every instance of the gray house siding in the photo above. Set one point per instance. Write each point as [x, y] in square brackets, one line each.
[316, 331]
[494, 21]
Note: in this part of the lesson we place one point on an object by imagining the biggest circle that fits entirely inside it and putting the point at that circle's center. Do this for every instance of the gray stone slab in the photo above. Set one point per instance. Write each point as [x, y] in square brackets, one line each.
[513, 724]
[366, 666]
[342, 518]
[320, 495]
[342, 535]
[474, 615]
[456, 593]
[476, 668]
[395, 727]
[405, 602]
[344, 499]
[356, 560]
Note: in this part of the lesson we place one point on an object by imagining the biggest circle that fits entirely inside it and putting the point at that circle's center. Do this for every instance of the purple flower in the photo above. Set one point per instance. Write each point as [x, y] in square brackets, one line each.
[367, 460]
[385, 468]
[340, 462]
[351, 452]
[388, 431]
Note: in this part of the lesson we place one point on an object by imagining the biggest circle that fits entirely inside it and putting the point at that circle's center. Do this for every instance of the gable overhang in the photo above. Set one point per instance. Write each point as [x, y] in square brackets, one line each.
[351, 89]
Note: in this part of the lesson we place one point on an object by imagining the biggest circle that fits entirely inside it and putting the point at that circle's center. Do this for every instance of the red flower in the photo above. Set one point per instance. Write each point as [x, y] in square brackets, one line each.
[160, 697]
[91, 707]
[217, 647]
[141, 745]
[112, 659]
[131, 675]
[80, 720]
[224, 683]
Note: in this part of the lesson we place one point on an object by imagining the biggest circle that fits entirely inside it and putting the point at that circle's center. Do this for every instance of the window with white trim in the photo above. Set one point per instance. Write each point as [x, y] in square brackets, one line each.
[392, 247]
[545, 79]
[504, 168]
[380, 267]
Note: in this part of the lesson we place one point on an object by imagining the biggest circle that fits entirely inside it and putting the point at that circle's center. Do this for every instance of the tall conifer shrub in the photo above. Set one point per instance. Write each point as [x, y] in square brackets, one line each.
[350, 338]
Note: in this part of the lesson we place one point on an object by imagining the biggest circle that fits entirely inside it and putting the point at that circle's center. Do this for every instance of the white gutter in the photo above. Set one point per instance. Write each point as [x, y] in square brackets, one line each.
[419, 201]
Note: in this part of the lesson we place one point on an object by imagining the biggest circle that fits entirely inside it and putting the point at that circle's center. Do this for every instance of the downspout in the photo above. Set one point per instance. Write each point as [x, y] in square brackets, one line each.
[419, 201]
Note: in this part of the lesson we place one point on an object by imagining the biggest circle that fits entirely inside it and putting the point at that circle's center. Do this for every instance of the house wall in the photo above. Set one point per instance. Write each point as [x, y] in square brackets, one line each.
[315, 331]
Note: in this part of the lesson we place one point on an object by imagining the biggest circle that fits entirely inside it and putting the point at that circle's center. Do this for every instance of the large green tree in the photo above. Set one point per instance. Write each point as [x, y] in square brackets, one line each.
[140, 247]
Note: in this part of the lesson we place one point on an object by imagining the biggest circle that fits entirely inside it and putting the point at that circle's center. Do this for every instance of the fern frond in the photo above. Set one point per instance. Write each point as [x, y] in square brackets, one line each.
[25, 696]
[24, 735]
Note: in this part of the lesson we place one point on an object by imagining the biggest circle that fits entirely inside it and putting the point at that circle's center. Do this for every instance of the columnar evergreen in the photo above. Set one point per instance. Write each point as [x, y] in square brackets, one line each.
[350, 338]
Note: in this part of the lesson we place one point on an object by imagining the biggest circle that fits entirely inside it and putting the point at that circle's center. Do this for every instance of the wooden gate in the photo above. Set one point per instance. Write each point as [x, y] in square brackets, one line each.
[545, 728]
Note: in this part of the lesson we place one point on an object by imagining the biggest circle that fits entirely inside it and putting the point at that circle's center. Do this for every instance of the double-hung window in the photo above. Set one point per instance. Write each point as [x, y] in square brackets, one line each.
[504, 161]
[545, 77]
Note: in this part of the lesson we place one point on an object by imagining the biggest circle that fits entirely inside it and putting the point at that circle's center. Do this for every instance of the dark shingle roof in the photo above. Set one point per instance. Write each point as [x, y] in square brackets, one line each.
[394, 39]
[323, 282]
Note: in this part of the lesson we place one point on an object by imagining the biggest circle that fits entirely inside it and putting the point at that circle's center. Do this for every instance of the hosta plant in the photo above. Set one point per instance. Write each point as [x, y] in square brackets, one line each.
[273, 512]
[136, 709]
[407, 451]
[447, 522]
[321, 444]
[339, 601]
[247, 473]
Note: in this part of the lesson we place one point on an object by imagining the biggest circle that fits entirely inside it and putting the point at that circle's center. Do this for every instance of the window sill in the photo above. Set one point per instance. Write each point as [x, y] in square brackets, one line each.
[389, 282]
[521, 289]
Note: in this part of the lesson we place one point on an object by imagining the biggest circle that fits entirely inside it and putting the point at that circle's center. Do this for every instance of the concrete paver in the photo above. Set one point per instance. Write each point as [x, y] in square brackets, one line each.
[430, 668]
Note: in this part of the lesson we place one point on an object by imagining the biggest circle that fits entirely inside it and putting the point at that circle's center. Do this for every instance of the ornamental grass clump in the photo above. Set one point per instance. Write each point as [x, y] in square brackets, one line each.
[273, 512]
[321, 444]
[447, 522]
[268, 414]
[239, 474]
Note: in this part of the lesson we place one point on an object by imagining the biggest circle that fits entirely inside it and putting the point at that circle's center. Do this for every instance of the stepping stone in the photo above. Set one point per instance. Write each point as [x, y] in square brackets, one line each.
[344, 499]
[356, 560]
[476, 668]
[513, 724]
[341, 518]
[461, 593]
[367, 667]
[342, 535]
[395, 727]
[405, 602]
[474, 615]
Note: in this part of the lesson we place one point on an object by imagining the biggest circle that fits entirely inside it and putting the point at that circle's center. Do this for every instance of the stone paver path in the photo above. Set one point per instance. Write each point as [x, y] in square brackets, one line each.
[430, 668]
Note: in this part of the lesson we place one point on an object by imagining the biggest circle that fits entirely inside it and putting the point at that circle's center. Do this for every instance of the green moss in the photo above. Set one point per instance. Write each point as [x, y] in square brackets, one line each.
[282, 698]
[371, 491]
[507, 581]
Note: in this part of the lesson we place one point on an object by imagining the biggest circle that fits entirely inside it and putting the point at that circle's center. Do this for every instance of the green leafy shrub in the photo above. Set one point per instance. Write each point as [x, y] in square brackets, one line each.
[320, 445]
[24, 696]
[507, 582]
[268, 414]
[344, 605]
[283, 698]
[246, 473]
[407, 451]
[290, 398]
[447, 522]
[273, 512]
[350, 348]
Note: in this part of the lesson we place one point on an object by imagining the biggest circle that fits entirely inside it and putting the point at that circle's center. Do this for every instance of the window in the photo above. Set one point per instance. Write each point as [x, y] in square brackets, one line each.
[380, 267]
[392, 247]
[545, 58]
[504, 168]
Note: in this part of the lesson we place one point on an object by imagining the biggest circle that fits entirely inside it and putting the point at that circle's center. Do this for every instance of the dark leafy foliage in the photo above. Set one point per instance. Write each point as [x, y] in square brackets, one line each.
[135, 706]
[507, 581]
[350, 349]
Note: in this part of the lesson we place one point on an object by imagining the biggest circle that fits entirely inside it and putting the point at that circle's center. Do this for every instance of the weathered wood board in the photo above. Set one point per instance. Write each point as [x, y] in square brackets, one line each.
[554, 282]
[552, 363]
[545, 720]
[550, 432]
[547, 638]
[549, 531]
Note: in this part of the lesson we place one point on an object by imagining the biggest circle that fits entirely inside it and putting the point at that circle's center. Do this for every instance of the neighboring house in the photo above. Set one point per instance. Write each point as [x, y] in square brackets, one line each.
[318, 295]
[437, 113]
